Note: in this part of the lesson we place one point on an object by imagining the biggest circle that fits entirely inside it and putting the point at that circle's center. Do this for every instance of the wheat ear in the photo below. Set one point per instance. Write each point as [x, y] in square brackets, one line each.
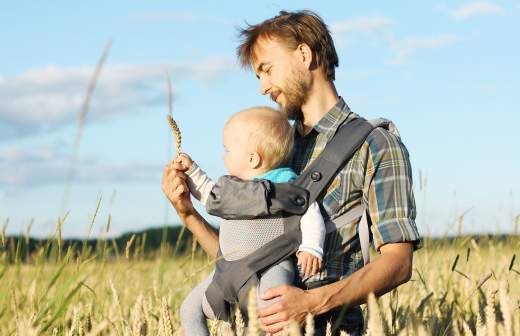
[253, 328]
[239, 322]
[173, 125]
[176, 133]
[309, 325]
[166, 319]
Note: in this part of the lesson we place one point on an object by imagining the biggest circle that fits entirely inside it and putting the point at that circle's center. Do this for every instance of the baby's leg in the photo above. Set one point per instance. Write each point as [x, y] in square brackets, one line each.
[281, 274]
[195, 309]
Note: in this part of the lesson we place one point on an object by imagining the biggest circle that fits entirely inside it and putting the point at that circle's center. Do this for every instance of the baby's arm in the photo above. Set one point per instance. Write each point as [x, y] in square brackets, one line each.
[198, 181]
[310, 252]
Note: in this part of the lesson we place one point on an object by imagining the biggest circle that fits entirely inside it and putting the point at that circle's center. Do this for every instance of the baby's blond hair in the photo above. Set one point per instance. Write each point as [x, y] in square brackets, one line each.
[269, 132]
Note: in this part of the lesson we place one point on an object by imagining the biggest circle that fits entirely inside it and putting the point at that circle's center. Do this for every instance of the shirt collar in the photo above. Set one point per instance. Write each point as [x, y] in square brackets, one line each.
[329, 123]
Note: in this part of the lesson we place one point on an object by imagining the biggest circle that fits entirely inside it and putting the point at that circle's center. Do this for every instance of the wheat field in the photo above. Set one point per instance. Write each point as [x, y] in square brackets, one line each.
[463, 286]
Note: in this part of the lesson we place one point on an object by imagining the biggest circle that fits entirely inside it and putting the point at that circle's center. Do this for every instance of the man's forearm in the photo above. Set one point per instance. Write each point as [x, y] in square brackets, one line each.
[382, 275]
[206, 235]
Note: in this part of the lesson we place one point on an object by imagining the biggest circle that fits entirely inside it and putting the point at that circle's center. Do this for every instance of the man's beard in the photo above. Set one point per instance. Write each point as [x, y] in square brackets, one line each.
[296, 93]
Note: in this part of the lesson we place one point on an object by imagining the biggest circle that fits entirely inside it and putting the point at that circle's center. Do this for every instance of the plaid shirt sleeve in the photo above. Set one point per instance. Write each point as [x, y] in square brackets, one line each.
[387, 191]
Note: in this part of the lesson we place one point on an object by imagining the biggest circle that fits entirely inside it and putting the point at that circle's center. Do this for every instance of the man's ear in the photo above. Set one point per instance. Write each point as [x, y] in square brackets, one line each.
[255, 160]
[304, 54]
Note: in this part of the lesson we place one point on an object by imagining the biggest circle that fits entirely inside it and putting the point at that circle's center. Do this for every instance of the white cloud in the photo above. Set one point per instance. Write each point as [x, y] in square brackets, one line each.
[49, 165]
[12, 155]
[405, 47]
[381, 28]
[362, 25]
[48, 98]
[477, 8]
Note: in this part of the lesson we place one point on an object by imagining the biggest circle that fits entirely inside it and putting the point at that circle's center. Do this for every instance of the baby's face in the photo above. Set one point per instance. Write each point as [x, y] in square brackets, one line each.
[236, 149]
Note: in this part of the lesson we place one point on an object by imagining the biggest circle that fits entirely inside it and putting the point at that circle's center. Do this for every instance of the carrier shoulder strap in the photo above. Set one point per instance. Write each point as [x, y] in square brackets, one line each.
[347, 140]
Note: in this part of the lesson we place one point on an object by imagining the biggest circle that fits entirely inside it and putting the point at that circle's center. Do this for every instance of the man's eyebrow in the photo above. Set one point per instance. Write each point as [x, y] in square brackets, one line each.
[260, 66]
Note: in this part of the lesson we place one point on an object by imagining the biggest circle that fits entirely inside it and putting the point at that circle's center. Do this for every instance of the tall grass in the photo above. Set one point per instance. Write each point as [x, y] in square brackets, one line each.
[101, 291]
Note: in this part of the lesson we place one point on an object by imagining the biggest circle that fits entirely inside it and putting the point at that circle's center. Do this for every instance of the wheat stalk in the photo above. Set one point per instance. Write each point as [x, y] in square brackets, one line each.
[375, 324]
[226, 329]
[139, 326]
[166, 319]
[506, 309]
[171, 122]
[98, 329]
[129, 246]
[74, 322]
[31, 292]
[27, 231]
[4, 234]
[81, 120]
[215, 324]
[491, 321]
[88, 317]
[117, 301]
[239, 322]
[309, 325]
[176, 133]
[253, 327]
[294, 329]
[466, 328]
[328, 331]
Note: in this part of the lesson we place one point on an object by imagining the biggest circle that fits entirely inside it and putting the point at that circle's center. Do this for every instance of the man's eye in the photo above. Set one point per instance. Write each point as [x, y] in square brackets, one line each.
[269, 70]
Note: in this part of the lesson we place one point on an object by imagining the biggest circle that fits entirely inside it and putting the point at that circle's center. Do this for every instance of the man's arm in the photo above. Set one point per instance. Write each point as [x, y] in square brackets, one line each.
[206, 235]
[391, 269]
[176, 190]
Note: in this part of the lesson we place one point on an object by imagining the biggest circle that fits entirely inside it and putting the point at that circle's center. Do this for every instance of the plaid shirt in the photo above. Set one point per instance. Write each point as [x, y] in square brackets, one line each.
[379, 176]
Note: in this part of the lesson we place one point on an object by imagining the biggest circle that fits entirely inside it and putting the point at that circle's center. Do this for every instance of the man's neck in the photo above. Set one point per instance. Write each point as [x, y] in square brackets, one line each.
[322, 97]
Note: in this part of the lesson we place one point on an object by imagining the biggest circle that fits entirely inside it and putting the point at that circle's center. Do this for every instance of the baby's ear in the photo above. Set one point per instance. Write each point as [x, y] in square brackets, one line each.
[255, 160]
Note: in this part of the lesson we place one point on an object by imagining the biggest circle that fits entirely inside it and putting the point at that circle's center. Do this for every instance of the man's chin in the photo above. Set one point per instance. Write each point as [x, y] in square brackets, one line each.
[291, 112]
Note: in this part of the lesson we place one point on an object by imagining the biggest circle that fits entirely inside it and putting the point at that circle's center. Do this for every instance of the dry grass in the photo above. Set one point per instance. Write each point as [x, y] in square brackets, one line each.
[132, 295]
[82, 120]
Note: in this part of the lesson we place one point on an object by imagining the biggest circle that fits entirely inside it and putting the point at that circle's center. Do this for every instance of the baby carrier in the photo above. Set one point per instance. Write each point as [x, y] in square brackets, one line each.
[233, 278]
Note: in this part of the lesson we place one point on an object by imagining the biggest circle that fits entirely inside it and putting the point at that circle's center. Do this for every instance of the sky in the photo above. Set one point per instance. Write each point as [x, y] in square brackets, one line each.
[444, 72]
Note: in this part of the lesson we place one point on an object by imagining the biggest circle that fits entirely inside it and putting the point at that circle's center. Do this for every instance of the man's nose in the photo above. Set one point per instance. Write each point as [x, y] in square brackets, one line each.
[265, 85]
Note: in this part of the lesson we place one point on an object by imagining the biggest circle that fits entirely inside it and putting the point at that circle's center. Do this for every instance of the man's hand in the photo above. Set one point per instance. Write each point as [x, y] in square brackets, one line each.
[175, 188]
[389, 270]
[309, 263]
[294, 305]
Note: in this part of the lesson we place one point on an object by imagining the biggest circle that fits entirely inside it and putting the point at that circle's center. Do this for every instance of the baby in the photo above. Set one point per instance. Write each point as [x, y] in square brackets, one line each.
[257, 142]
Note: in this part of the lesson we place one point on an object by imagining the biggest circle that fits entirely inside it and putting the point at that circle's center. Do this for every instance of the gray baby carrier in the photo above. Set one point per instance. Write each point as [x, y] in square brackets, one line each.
[233, 278]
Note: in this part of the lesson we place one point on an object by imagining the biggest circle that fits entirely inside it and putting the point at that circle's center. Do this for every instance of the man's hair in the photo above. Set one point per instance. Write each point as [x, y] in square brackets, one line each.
[270, 134]
[292, 29]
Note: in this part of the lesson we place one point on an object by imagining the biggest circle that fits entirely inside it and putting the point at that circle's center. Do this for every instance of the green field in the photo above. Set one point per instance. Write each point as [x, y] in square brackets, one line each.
[466, 286]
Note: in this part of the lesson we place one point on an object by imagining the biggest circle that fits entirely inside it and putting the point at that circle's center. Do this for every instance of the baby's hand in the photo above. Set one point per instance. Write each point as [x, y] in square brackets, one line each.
[185, 161]
[309, 263]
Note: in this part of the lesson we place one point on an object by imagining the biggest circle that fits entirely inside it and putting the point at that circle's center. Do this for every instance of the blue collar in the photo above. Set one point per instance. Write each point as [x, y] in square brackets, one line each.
[279, 175]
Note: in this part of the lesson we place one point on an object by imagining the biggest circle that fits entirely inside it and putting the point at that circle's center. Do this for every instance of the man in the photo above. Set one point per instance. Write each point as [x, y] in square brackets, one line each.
[294, 58]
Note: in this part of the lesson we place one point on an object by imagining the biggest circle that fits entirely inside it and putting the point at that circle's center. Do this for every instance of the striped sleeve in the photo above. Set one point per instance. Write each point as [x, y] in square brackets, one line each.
[387, 192]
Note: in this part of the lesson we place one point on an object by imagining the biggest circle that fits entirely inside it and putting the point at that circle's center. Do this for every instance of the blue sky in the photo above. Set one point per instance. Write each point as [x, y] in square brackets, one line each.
[444, 72]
